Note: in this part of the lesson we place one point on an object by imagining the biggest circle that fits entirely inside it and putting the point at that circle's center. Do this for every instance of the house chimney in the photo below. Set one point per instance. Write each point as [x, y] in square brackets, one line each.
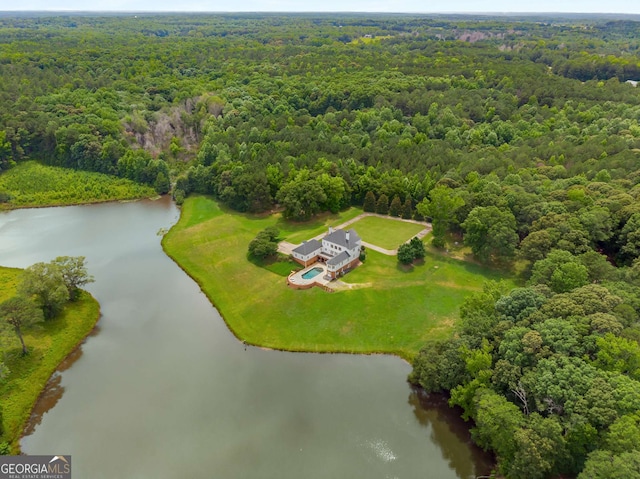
[347, 236]
[330, 229]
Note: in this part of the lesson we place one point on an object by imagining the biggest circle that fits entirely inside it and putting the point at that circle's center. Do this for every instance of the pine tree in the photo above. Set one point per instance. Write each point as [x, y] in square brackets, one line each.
[369, 202]
[407, 210]
[396, 206]
[382, 206]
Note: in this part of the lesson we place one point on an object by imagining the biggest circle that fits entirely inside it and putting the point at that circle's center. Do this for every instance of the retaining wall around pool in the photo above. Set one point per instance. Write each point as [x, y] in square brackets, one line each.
[295, 280]
[298, 286]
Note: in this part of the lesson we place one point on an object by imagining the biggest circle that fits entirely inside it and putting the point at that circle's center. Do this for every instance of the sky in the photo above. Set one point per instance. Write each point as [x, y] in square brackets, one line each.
[408, 6]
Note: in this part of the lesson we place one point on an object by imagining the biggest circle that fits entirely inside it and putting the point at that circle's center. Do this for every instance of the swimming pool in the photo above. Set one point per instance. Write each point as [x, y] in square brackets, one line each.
[312, 273]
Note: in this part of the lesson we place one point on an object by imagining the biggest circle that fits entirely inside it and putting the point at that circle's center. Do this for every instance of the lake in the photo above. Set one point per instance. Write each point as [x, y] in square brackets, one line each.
[162, 389]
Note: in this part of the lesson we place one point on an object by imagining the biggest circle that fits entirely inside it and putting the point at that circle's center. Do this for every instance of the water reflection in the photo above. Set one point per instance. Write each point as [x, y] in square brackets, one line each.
[46, 401]
[449, 431]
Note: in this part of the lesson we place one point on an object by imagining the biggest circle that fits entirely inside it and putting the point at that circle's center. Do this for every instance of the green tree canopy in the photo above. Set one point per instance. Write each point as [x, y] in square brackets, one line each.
[561, 271]
[44, 282]
[441, 208]
[301, 199]
[491, 233]
[74, 273]
[19, 313]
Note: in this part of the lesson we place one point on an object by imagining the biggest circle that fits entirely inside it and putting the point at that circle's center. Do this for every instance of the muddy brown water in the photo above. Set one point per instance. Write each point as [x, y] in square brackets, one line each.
[162, 389]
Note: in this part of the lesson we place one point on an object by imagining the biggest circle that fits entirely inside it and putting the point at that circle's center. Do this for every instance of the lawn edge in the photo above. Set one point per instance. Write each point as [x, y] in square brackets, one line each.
[14, 442]
[405, 357]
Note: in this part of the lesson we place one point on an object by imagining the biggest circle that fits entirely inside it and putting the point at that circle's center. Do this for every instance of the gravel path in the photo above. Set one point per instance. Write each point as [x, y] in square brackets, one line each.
[286, 247]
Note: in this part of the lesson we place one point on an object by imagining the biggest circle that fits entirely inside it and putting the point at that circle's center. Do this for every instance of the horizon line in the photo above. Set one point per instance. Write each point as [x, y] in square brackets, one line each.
[499, 13]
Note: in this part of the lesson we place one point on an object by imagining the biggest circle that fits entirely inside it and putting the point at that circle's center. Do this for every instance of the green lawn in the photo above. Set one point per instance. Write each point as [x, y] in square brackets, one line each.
[282, 266]
[48, 346]
[385, 232]
[295, 232]
[393, 310]
[33, 184]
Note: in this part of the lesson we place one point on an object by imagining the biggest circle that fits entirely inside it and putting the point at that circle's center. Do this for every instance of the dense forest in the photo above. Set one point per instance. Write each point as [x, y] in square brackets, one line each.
[519, 135]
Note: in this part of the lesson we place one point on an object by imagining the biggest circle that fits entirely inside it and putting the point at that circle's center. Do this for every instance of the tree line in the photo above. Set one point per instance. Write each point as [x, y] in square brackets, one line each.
[549, 373]
[517, 136]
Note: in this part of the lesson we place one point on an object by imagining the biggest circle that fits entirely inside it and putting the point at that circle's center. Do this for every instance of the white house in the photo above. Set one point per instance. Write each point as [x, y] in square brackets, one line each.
[340, 250]
[307, 253]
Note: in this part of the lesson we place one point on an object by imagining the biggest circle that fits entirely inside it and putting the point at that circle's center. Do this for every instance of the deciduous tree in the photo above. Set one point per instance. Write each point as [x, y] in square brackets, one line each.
[45, 283]
[491, 233]
[19, 313]
[441, 207]
[561, 271]
[74, 273]
[301, 199]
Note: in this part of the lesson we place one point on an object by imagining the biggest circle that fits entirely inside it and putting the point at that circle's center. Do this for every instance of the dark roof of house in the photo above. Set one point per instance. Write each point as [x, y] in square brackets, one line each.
[339, 258]
[339, 237]
[308, 247]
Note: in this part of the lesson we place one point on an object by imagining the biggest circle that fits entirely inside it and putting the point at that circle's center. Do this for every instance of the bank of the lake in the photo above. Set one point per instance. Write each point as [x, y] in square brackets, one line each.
[48, 346]
[31, 184]
[163, 373]
[391, 310]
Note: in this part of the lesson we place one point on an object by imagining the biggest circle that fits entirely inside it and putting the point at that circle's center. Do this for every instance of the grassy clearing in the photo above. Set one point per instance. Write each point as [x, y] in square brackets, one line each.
[48, 346]
[281, 266]
[32, 184]
[395, 313]
[385, 232]
[295, 232]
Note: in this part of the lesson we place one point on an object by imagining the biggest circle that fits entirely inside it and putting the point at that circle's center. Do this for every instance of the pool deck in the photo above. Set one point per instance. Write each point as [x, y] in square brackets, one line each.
[295, 279]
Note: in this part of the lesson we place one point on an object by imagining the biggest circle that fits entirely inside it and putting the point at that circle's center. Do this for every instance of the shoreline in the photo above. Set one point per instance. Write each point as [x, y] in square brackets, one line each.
[258, 344]
[271, 348]
[79, 203]
[58, 369]
[396, 318]
[41, 372]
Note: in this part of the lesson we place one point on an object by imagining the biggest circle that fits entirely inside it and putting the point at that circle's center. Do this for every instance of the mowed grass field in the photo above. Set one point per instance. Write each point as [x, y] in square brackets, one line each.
[389, 310]
[32, 184]
[295, 232]
[387, 233]
[48, 345]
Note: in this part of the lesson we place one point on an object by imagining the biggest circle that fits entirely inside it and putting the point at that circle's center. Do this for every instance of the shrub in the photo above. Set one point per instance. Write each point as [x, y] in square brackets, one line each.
[265, 244]
[417, 246]
[409, 252]
[405, 254]
[178, 196]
